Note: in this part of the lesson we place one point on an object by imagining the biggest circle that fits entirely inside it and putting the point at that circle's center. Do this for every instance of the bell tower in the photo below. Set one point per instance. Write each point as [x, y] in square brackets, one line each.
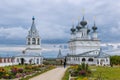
[33, 38]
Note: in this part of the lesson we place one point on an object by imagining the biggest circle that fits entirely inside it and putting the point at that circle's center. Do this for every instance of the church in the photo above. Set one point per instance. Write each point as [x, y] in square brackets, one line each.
[84, 46]
[32, 52]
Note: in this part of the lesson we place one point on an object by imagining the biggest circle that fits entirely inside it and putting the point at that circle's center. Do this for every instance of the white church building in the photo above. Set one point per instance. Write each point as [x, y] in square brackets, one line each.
[32, 53]
[84, 46]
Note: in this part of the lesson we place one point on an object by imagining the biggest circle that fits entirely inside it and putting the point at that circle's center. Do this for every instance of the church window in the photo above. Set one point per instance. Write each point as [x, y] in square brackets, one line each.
[97, 61]
[37, 61]
[33, 41]
[83, 59]
[17, 60]
[82, 34]
[106, 60]
[90, 59]
[28, 41]
[38, 41]
[33, 32]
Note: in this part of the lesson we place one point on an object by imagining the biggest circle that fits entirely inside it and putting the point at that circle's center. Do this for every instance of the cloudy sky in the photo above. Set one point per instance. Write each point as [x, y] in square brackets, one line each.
[54, 19]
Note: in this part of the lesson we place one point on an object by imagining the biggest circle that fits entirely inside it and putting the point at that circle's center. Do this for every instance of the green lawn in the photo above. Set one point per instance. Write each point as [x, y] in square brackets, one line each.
[106, 73]
[100, 73]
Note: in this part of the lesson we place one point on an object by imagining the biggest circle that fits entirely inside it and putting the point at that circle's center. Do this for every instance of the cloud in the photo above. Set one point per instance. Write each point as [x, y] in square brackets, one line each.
[52, 31]
[47, 31]
[115, 30]
[13, 33]
[54, 17]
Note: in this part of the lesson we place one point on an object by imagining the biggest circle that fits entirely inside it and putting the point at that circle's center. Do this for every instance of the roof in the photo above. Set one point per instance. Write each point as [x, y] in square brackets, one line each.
[29, 55]
[85, 54]
[102, 55]
[88, 54]
[59, 54]
[33, 31]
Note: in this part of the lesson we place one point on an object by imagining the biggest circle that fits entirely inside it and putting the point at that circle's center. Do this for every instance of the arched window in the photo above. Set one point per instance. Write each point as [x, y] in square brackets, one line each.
[83, 59]
[106, 60]
[28, 41]
[33, 41]
[30, 61]
[97, 61]
[38, 41]
[37, 61]
[18, 60]
[90, 59]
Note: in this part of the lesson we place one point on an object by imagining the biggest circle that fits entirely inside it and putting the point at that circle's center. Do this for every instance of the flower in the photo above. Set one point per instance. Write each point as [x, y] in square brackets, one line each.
[82, 72]
[20, 70]
[14, 70]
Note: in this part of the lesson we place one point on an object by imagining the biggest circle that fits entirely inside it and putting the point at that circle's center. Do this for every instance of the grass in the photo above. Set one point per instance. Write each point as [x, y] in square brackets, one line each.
[106, 73]
[66, 75]
[100, 73]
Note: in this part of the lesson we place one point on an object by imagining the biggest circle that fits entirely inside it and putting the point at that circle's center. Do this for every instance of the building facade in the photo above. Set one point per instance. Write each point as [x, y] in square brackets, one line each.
[84, 46]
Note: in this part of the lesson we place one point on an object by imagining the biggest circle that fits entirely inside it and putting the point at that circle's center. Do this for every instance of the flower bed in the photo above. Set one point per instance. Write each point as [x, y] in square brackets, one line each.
[78, 72]
[21, 72]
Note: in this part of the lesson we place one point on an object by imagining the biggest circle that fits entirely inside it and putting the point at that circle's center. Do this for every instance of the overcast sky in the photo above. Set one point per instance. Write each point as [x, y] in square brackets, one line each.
[54, 19]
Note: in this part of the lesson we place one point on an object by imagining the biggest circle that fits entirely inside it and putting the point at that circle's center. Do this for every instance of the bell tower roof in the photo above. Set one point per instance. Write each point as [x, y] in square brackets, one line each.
[33, 31]
[33, 27]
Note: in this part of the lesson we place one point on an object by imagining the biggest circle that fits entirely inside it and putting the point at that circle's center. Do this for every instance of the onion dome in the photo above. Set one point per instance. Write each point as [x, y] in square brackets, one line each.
[88, 30]
[33, 18]
[83, 22]
[78, 27]
[73, 29]
[94, 27]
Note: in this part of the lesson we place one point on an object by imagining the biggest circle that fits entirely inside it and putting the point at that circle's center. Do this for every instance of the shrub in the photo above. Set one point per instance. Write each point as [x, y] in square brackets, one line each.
[14, 70]
[20, 70]
[80, 70]
[2, 72]
[83, 73]
[6, 76]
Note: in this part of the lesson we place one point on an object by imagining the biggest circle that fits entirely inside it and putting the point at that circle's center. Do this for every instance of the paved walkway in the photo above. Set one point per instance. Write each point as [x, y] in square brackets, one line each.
[55, 74]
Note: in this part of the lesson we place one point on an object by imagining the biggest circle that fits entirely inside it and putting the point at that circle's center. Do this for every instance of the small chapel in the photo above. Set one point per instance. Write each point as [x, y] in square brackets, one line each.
[84, 46]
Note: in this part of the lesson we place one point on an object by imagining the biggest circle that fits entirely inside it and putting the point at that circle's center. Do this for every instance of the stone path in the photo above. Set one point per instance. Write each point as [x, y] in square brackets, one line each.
[55, 74]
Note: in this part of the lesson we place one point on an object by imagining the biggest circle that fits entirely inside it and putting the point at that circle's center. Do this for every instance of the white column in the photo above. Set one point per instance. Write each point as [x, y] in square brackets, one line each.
[30, 41]
[36, 42]
[99, 62]
[94, 36]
